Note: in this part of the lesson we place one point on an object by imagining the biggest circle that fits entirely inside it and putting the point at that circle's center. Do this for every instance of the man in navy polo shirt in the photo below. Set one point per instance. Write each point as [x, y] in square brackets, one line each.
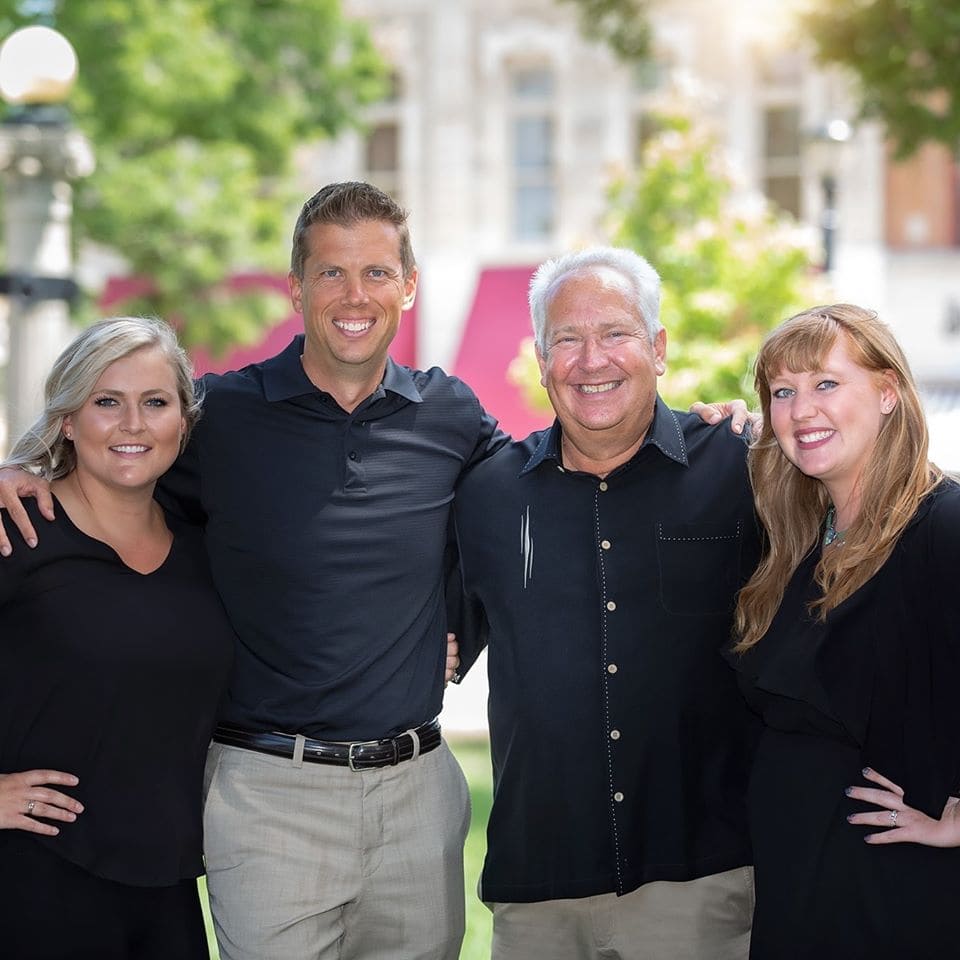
[335, 815]
[600, 559]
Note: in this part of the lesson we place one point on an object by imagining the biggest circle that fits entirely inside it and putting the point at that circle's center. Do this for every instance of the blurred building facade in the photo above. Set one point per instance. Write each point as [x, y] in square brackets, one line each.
[504, 128]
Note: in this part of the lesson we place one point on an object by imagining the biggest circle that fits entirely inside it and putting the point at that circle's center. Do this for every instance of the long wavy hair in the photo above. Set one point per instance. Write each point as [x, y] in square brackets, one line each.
[43, 449]
[792, 506]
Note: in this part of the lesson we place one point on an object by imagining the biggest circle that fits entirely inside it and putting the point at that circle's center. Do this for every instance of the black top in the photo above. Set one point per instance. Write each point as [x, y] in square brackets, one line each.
[874, 685]
[620, 742]
[326, 533]
[114, 676]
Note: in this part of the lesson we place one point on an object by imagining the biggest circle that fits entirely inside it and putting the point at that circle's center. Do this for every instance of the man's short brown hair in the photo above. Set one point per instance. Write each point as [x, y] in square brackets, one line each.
[346, 204]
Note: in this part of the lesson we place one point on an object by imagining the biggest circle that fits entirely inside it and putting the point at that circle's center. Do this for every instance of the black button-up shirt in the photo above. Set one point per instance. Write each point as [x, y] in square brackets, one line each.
[620, 741]
[326, 532]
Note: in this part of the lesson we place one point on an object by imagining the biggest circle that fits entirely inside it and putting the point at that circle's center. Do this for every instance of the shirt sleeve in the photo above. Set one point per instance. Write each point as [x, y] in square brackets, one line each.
[944, 596]
[490, 438]
[179, 489]
[13, 568]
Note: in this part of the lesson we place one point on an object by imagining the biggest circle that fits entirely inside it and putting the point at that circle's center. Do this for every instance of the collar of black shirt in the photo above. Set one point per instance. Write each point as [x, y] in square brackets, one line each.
[665, 433]
[283, 377]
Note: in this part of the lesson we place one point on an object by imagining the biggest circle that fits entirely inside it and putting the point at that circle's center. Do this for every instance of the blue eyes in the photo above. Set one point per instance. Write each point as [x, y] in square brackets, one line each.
[107, 402]
[334, 273]
[785, 393]
[611, 338]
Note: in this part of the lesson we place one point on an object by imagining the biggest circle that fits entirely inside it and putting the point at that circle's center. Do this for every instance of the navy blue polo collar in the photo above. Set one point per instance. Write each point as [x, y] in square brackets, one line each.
[664, 433]
[284, 377]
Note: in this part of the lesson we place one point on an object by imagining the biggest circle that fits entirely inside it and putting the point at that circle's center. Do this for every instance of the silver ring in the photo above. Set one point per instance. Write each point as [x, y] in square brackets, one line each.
[30, 805]
[893, 817]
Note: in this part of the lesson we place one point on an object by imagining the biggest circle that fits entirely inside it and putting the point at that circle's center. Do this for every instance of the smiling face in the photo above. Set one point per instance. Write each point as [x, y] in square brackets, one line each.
[351, 296]
[127, 433]
[827, 421]
[600, 368]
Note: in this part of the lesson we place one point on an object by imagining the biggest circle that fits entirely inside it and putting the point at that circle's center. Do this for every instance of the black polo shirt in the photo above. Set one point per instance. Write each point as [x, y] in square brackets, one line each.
[620, 742]
[326, 533]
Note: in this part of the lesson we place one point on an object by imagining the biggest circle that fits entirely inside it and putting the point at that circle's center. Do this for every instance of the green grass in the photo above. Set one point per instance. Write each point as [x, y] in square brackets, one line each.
[474, 756]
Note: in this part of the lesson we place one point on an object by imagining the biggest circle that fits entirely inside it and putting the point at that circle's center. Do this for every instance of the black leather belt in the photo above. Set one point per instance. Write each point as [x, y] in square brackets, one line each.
[361, 755]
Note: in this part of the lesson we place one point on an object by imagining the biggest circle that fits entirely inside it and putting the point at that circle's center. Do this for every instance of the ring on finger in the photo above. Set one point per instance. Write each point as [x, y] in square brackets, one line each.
[30, 805]
[893, 817]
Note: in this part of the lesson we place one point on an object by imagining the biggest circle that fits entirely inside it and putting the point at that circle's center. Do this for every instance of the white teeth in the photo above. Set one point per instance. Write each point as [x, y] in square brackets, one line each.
[356, 326]
[814, 437]
[131, 448]
[598, 387]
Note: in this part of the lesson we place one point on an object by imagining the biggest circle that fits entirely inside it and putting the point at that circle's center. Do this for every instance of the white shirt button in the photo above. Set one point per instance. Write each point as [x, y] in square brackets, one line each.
[614, 734]
[618, 796]
[611, 606]
[612, 668]
[603, 486]
[605, 544]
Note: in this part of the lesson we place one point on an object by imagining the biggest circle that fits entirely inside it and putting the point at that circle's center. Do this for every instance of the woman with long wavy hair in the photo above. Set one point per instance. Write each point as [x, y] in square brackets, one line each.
[849, 650]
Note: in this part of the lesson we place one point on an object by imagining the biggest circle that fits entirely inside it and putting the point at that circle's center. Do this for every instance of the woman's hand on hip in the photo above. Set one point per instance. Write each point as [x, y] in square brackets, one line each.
[27, 795]
[903, 823]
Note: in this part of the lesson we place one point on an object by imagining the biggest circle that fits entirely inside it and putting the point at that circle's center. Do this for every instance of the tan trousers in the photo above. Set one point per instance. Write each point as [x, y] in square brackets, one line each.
[705, 919]
[318, 862]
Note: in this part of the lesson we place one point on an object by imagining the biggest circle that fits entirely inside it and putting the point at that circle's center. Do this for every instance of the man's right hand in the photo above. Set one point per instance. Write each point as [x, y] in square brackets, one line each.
[15, 484]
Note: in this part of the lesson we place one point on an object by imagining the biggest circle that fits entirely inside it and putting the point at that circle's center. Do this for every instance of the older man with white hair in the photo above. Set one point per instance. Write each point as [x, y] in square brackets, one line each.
[600, 561]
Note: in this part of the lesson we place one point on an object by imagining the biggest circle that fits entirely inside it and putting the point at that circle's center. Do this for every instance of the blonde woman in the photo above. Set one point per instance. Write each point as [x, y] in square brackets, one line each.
[114, 652]
[849, 649]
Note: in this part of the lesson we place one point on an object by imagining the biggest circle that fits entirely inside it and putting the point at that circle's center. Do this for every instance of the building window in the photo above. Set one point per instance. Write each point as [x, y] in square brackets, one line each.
[533, 140]
[381, 149]
[782, 156]
[382, 158]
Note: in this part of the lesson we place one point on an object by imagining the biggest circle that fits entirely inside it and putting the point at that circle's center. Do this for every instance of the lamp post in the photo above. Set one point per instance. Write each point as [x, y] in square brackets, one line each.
[40, 154]
[825, 143]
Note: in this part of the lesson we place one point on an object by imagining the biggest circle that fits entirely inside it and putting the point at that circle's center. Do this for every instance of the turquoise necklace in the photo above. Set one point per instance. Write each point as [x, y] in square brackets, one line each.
[830, 533]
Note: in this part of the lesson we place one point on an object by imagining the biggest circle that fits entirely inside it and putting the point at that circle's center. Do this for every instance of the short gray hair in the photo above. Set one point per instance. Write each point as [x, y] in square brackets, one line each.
[642, 278]
[43, 449]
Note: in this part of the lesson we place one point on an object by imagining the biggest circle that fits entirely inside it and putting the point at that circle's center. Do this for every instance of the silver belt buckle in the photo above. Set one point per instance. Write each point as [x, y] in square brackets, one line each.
[350, 763]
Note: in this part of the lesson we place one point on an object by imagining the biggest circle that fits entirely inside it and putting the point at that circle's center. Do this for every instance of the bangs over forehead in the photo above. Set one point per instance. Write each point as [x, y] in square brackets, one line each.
[802, 343]
[799, 345]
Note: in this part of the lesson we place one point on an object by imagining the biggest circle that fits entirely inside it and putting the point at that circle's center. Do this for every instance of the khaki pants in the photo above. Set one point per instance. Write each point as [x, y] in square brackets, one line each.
[705, 919]
[322, 862]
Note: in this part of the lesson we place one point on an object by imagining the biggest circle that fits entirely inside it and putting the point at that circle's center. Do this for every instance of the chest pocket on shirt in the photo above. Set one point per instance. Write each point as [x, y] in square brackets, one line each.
[699, 566]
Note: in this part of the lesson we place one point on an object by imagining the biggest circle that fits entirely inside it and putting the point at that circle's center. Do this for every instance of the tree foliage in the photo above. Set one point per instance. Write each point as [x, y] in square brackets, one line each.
[194, 109]
[731, 268]
[905, 55]
[622, 24]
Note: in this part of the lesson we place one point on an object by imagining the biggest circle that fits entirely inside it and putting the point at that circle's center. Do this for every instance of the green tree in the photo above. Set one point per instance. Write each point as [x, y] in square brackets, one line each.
[731, 268]
[622, 24]
[905, 55]
[194, 108]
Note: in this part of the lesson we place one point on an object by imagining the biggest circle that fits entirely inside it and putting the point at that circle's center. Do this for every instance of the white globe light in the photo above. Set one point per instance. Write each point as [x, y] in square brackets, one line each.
[37, 65]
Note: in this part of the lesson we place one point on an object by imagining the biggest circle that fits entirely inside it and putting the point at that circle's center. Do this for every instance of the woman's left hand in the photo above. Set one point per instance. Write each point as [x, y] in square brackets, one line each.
[904, 824]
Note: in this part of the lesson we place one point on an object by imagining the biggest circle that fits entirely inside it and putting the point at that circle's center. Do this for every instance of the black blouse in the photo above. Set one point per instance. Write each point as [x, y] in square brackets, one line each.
[114, 676]
[887, 667]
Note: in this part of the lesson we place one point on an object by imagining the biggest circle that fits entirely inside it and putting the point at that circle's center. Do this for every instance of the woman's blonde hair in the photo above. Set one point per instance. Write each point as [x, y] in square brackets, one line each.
[43, 449]
[792, 506]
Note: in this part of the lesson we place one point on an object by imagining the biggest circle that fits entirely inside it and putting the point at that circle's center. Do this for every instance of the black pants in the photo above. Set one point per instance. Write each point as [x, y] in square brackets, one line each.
[51, 909]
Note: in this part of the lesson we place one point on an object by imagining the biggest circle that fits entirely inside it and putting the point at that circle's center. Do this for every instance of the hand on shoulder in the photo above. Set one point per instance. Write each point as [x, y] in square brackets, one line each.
[15, 484]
